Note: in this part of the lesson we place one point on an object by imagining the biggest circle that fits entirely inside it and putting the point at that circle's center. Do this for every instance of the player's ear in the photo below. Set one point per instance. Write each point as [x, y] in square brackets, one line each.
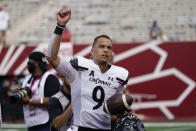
[92, 50]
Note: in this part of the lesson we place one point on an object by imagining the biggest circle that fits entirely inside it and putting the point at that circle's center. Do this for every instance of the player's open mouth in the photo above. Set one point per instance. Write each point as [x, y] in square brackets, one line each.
[105, 56]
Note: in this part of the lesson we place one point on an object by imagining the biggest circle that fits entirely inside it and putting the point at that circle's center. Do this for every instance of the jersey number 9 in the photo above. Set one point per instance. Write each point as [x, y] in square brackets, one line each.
[99, 100]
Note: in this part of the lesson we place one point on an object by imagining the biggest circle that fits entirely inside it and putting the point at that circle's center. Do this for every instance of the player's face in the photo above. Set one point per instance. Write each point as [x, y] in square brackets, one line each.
[102, 51]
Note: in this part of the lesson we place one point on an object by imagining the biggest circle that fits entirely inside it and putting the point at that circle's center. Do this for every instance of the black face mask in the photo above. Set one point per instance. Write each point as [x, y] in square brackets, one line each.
[31, 67]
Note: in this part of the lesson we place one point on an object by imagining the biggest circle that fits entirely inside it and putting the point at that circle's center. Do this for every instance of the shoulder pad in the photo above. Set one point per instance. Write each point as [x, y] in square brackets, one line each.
[122, 75]
[79, 63]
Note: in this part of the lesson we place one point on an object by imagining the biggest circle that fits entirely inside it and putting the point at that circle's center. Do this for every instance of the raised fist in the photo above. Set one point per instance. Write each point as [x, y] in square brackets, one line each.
[63, 16]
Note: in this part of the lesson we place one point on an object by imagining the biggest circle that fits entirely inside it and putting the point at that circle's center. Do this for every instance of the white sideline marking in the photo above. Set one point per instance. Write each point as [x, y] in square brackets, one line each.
[176, 129]
[14, 126]
[11, 130]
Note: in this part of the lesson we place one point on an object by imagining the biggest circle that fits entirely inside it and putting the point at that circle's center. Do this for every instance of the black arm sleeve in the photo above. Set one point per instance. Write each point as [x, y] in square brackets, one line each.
[52, 86]
[54, 108]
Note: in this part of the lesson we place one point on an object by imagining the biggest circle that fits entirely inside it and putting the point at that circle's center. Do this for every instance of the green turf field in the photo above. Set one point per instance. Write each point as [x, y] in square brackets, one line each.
[171, 126]
[174, 128]
[150, 126]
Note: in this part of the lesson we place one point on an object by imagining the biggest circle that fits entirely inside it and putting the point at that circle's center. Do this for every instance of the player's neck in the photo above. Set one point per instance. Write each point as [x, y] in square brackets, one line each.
[103, 67]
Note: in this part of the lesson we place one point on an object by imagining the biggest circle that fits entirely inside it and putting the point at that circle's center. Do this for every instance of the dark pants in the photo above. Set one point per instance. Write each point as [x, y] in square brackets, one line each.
[38, 129]
[90, 129]
[43, 127]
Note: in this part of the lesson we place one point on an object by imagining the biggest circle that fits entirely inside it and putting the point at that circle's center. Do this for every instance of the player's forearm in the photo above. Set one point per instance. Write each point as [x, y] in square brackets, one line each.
[60, 120]
[56, 46]
[63, 17]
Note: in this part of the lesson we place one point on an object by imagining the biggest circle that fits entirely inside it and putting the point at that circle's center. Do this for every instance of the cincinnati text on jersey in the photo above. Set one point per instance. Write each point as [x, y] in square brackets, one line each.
[97, 80]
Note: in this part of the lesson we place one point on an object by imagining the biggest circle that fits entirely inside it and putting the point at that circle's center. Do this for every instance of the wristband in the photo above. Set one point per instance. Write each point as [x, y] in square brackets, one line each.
[61, 26]
[59, 29]
[41, 101]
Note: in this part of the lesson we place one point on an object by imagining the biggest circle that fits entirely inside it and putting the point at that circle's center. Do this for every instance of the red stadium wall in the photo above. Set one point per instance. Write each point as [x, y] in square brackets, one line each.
[162, 75]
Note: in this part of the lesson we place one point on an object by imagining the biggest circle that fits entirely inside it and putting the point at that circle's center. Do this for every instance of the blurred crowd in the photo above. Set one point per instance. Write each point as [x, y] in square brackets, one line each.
[7, 88]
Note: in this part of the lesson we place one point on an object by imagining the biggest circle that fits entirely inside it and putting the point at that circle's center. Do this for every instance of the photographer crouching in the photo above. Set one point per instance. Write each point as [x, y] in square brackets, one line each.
[36, 89]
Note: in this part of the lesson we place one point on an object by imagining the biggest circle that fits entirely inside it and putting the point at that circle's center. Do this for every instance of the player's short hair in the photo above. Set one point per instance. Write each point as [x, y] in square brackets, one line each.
[100, 36]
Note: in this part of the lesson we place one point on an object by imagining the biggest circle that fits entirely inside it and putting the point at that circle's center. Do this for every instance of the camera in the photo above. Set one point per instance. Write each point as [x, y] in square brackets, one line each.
[20, 94]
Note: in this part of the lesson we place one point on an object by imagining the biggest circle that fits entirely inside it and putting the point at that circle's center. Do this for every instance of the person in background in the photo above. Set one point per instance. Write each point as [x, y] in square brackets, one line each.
[59, 108]
[4, 25]
[155, 31]
[39, 85]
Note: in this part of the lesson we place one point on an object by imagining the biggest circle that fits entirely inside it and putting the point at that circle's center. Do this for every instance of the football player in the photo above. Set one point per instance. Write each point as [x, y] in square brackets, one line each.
[93, 81]
[59, 108]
